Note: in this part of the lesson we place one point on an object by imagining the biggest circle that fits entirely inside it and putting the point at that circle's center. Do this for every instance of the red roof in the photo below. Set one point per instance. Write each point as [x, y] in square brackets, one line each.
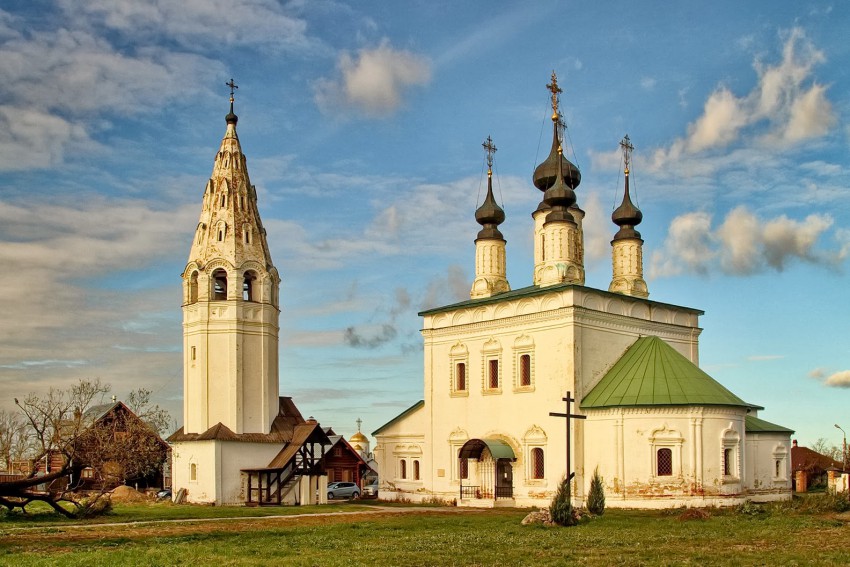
[804, 459]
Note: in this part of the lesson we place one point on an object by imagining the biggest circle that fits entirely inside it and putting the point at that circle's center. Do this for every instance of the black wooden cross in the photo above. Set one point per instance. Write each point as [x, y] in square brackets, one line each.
[569, 399]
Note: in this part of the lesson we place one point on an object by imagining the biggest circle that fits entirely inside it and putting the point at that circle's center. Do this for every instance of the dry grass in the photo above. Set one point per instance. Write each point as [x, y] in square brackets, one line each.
[444, 536]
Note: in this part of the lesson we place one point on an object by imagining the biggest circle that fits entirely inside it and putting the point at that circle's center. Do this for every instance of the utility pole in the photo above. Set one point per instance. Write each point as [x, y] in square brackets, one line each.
[844, 458]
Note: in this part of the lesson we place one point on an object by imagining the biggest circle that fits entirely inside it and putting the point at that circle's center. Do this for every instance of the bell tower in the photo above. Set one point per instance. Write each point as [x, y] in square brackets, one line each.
[230, 304]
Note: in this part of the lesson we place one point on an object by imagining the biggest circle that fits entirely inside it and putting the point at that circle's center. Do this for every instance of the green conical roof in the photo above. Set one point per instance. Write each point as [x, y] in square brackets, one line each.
[652, 373]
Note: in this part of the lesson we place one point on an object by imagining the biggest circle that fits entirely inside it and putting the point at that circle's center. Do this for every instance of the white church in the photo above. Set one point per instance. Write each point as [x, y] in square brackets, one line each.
[241, 443]
[659, 430]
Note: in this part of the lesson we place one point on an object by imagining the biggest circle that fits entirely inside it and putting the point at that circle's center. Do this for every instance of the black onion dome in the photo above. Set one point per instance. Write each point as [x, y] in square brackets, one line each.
[627, 216]
[490, 215]
[546, 173]
[559, 197]
[231, 118]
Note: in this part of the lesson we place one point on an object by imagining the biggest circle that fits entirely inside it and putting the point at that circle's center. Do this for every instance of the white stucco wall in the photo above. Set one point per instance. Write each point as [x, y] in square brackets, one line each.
[768, 466]
[219, 479]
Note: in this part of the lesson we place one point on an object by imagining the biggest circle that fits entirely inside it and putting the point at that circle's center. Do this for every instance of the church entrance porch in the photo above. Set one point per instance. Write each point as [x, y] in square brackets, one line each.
[488, 480]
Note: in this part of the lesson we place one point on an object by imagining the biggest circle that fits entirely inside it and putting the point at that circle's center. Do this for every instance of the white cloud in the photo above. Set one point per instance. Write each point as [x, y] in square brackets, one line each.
[742, 245]
[374, 81]
[688, 247]
[785, 107]
[838, 379]
[192, 24]
[647, 83]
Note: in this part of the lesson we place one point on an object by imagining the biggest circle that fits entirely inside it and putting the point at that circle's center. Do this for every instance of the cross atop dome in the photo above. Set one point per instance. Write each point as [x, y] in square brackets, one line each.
[556, 91]
[628, 148]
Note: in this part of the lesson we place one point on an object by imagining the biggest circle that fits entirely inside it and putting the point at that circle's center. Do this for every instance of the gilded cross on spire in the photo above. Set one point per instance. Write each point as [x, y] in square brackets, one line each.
[491, 149]
[627, 146]
[233, 86]
[555, 90]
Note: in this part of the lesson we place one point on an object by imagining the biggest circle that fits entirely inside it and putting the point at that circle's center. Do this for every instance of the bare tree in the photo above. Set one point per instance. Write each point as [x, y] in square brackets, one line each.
[823, 447]
[157, 418]
[63, 436]
[13, 439]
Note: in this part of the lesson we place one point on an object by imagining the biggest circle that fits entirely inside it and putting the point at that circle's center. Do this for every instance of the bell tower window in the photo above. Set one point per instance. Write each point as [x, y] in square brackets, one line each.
[193, 288]
[248, 291]
[219, 285]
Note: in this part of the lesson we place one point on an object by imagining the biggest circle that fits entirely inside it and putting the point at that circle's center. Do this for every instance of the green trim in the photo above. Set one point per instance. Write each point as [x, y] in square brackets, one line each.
[534, 290]
[756, 425]
[653, 373]
[399, 417]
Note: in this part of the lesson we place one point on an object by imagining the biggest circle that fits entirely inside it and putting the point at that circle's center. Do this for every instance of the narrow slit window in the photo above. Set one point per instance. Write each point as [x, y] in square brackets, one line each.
[493, 373]
[460, 371]
[416, 470]
[727, 462]
[403, 471]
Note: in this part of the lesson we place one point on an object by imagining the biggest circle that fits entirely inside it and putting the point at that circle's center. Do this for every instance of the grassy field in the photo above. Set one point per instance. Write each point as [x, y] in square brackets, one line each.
[369, 534]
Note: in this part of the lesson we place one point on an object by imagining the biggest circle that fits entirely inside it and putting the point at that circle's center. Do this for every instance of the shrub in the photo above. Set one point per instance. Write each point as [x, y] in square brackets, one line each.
[596, 496]
[748, 508]
[561, 508]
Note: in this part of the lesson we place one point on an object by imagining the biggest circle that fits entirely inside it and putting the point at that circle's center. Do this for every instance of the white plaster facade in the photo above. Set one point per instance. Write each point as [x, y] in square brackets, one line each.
[235, 425]
[495, 367]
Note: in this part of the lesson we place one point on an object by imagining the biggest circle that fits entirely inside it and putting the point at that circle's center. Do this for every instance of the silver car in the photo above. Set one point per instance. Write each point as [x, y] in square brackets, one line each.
[371, 490]
[343, 490]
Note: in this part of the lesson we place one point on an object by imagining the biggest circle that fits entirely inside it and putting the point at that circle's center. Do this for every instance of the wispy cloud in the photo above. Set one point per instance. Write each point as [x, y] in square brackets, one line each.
[373, 82]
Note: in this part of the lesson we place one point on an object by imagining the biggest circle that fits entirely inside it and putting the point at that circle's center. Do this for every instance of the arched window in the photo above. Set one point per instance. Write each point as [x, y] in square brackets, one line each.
[248, 291]
[403, 469]
[538, 468]
[460, 375]
[664, 462]
[525, 370]
[193, 472]
[193, 288]
[219, 285]
[416, 470]
[222, 231]
[223, 199]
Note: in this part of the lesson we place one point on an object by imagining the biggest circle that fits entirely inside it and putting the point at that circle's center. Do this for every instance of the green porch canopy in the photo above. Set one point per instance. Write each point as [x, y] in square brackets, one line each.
[473, 448]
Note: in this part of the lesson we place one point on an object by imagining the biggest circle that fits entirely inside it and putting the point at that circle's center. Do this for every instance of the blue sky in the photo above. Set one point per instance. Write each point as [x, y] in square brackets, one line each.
[363, 124]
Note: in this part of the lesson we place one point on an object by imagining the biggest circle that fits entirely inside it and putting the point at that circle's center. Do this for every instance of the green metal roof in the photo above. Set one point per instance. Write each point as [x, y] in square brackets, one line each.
[533, 290]
[652, 373]
[400, 416]
[756, 425]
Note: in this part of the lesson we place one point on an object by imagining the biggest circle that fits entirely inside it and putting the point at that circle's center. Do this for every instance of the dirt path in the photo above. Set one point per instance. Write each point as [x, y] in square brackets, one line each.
[376, 510]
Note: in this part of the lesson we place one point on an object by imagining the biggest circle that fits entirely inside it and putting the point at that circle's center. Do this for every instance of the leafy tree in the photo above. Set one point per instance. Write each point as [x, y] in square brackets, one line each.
[59, 437]
[596, 496]
[561, 509]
